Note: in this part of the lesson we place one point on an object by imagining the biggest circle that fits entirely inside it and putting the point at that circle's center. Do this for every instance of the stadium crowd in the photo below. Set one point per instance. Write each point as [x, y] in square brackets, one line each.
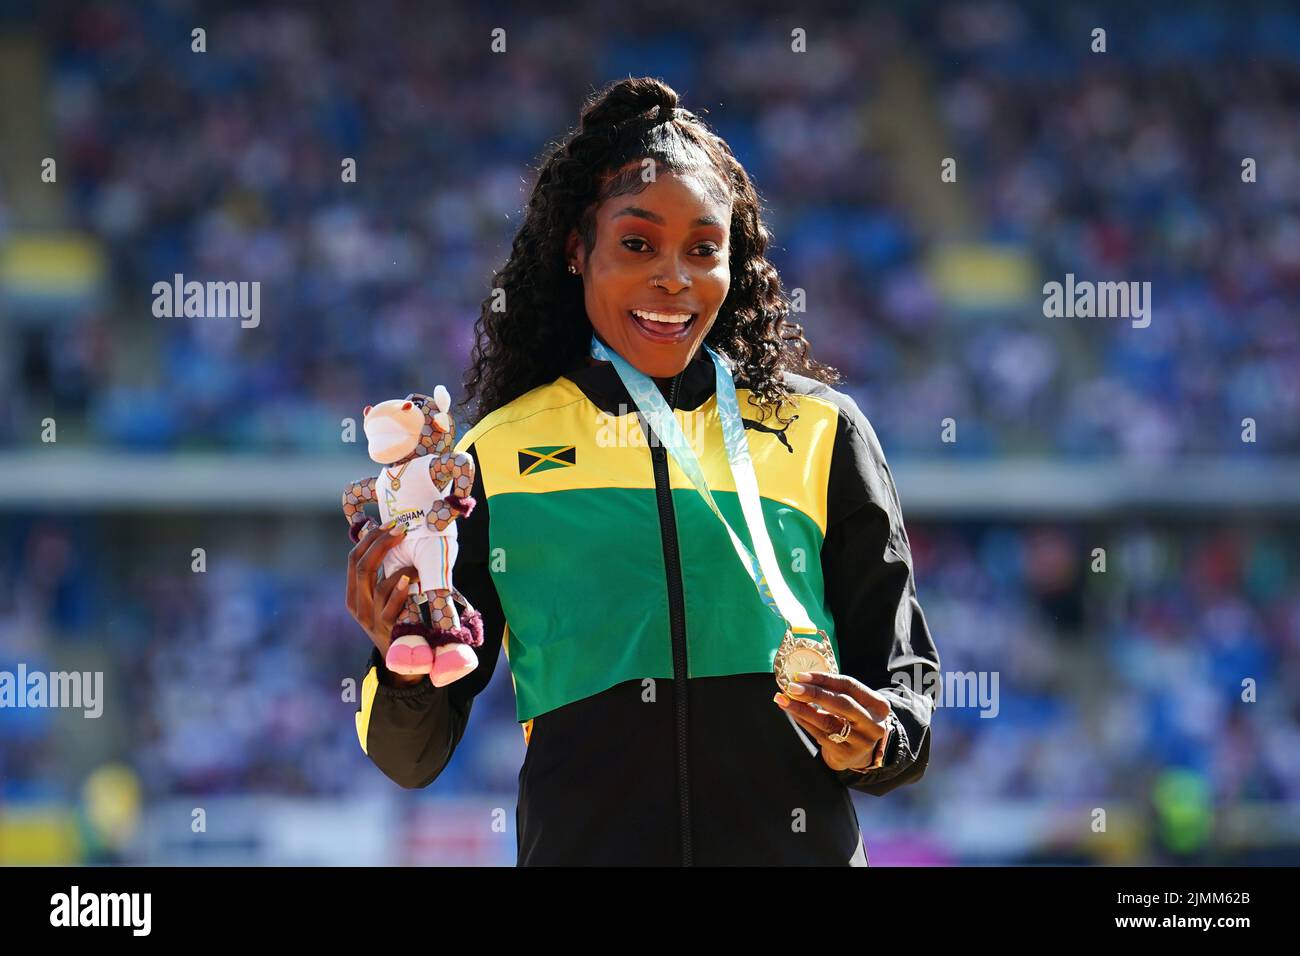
[227, 165]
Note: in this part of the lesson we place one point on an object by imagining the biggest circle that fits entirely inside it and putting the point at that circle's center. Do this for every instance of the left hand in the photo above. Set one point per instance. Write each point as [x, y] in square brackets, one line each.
[825, 702]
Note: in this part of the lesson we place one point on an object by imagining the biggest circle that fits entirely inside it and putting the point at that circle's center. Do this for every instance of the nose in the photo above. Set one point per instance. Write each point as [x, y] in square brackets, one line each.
[674, 277]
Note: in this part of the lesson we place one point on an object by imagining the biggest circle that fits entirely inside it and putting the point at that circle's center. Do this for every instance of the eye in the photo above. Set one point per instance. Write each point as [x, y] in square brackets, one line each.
[712, 249]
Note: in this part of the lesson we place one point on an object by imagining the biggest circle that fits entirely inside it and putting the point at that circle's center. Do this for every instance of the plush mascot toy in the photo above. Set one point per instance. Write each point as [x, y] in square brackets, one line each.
[426, 486]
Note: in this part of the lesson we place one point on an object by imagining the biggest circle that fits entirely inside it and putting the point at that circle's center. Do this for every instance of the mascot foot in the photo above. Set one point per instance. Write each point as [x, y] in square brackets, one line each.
[451, 662]
[409, 654]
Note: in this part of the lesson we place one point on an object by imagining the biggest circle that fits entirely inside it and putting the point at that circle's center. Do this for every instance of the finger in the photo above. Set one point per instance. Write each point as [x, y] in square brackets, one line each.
[397, 596]
[391, 595]
[354, 568]
[369, 551]
[864, 730]
[813, 719]
[389, 583]
[353, 556]
[363, 545]
[854, 751]
[377, 545]
[873, 702]
[839, 704]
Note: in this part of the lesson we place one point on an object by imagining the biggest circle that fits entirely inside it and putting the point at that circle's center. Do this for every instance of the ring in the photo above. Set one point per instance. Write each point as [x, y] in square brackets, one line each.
[842, 735]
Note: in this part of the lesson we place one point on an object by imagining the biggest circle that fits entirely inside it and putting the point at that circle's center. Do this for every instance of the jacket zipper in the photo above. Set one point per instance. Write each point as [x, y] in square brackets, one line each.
[677, 622]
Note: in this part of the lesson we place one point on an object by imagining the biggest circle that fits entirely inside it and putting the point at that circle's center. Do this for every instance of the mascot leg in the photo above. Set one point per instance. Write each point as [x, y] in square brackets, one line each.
[410, 652]
[453, 640]
[470, 618]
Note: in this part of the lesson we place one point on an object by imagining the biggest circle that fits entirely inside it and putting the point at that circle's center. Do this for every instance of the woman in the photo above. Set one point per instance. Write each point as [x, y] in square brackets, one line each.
[640, 629]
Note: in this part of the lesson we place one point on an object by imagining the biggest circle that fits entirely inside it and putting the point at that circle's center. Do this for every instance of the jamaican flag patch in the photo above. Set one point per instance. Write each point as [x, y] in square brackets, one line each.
[546, 457]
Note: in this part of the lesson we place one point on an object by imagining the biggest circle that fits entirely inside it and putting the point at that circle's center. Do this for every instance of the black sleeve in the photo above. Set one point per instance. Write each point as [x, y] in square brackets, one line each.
[879, 625]
[411, 732]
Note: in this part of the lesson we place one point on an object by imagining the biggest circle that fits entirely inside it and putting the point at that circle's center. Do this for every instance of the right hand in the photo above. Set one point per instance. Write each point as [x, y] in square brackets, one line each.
[376, 607]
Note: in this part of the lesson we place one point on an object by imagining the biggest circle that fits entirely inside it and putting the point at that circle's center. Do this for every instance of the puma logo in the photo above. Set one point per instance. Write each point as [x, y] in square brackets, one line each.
[778, 432]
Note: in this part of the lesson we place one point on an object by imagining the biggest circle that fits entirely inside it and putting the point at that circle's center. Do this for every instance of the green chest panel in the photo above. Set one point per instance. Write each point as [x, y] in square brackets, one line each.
[577, 550]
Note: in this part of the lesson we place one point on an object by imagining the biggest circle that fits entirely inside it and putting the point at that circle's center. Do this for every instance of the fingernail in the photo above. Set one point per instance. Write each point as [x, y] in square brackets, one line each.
[403, 581]
[400, 529]
[794, 689]
[781, 700]
[803, 676]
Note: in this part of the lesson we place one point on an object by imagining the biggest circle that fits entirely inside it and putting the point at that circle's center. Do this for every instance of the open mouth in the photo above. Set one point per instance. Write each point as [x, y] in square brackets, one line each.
[663, 327]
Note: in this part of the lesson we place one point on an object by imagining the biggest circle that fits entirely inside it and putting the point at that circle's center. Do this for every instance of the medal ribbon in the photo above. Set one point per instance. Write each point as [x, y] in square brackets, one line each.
[763, 570]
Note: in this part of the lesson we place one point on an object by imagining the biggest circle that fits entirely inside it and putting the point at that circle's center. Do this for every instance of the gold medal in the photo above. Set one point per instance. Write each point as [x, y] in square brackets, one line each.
[395, 481]
[799, 654]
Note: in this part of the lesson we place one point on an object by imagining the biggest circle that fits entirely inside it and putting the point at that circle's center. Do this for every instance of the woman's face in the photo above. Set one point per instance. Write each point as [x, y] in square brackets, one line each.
[664, 251]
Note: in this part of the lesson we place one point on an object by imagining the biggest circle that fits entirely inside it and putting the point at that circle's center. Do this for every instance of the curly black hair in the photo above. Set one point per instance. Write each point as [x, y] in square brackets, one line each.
[533, 326]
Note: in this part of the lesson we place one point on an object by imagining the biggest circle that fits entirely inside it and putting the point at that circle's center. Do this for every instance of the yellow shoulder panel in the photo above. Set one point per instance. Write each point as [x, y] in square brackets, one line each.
[793, 462]
[554, 439]
[559, 392]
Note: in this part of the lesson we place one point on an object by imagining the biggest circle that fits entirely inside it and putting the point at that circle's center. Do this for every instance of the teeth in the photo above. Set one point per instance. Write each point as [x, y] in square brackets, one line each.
[672, 318]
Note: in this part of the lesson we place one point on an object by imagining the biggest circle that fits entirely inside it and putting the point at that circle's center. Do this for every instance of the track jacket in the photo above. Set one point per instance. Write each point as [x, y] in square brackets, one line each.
[639, 650]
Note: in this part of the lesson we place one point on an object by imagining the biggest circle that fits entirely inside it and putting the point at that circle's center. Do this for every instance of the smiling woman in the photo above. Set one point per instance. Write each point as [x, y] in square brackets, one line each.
[644, 609]
[643, 208]
[660, 268]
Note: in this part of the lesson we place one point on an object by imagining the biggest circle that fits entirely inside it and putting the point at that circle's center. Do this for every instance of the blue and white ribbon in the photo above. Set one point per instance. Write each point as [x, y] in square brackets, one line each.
[763, 569]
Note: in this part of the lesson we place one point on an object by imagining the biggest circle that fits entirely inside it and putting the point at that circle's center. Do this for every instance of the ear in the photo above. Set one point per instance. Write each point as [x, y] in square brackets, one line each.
[442, 420]
[571, 246]
[441, 398]
[366, 411]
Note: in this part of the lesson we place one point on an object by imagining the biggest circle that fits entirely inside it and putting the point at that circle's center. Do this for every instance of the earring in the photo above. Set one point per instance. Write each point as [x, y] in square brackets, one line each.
[573, 270]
